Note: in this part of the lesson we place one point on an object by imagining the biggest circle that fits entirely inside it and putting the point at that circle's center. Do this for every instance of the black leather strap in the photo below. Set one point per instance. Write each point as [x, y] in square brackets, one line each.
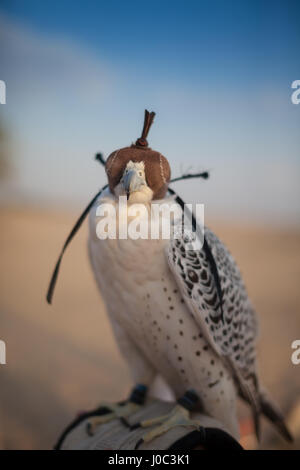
[68, 240]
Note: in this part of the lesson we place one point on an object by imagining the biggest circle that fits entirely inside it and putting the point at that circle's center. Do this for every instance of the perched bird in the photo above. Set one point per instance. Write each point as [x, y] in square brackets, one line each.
[165, 307]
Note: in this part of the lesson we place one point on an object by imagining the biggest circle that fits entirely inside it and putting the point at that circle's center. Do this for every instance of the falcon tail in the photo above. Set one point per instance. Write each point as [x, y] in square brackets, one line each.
[261, 403]
[272, 412]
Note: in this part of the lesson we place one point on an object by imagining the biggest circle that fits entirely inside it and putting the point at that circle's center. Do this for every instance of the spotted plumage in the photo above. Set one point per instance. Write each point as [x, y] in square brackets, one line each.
[234, 334]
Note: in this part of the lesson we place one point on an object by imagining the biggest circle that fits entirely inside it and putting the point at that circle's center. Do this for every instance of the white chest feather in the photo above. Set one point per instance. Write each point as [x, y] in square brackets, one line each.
[133, 275]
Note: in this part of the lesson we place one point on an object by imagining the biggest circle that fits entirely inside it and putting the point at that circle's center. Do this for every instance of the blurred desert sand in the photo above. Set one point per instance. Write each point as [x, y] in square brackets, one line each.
[63, 358]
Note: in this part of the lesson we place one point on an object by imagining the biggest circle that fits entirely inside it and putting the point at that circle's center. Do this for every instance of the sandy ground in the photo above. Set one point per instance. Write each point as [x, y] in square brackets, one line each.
[63, 358]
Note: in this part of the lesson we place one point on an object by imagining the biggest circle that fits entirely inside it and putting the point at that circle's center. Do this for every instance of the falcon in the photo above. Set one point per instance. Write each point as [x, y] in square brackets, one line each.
[179, 313]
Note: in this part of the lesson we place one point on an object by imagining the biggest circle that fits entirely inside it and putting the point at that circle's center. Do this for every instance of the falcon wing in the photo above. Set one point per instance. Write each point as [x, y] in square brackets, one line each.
[233, 334]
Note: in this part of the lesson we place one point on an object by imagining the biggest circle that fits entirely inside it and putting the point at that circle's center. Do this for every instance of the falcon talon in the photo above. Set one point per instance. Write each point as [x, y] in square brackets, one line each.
[178, 416]
[114, 411]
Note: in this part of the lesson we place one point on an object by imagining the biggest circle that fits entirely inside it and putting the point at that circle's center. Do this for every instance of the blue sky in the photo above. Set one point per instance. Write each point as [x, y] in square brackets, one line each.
[218, 74]
[192, 40]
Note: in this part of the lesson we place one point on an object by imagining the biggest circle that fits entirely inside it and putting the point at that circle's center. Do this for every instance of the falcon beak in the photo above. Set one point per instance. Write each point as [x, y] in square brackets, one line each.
[132, 182]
